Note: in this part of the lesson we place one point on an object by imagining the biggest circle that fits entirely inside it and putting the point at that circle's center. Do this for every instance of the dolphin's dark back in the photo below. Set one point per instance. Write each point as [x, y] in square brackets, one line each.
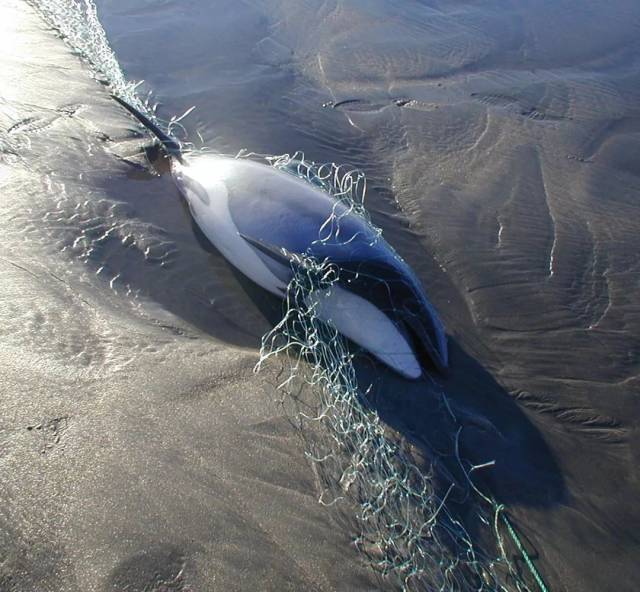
[170, 144]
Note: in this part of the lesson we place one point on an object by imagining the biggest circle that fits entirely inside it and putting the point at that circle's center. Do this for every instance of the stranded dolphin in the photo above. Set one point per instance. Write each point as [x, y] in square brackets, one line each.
[263, 219]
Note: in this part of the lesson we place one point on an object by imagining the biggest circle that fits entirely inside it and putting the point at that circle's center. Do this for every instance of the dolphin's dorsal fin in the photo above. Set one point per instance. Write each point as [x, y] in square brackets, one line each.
[278, 254]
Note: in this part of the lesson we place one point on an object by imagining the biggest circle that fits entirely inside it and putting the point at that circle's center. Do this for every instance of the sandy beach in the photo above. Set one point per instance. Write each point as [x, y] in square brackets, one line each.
[140, 451]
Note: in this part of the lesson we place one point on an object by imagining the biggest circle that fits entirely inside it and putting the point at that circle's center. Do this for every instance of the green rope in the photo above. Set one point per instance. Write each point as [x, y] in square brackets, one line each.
[518, 543]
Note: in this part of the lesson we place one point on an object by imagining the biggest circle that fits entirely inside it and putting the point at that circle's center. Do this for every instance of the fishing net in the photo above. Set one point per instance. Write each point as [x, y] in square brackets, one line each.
[404, 522]
[405, 517]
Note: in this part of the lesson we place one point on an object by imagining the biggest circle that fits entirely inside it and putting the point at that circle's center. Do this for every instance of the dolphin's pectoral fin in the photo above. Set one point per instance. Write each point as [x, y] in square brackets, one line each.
[278, 254]
[280, 262]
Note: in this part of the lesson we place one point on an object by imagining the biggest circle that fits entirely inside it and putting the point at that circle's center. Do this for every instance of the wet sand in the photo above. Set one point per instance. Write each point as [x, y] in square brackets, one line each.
[502, 145]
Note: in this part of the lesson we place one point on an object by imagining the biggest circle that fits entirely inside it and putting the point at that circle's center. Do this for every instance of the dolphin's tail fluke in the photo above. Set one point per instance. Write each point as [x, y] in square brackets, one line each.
[170, 144]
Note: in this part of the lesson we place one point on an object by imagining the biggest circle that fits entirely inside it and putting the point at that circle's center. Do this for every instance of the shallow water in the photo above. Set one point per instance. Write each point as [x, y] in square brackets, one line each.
[502, 148]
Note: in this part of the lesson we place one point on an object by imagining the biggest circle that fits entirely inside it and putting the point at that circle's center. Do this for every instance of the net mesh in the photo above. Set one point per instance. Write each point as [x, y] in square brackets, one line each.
[404, 522]
[404, 516]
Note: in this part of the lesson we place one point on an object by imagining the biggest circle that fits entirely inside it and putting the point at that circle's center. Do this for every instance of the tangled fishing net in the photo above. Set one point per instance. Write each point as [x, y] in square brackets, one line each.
[402, 512]
[405, 520]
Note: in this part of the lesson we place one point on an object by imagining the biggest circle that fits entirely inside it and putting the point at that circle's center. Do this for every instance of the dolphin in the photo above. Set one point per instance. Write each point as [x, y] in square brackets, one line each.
[266, 221]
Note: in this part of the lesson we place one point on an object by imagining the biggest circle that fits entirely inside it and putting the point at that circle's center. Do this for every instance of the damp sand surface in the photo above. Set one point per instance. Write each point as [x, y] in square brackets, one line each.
[501, 143]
